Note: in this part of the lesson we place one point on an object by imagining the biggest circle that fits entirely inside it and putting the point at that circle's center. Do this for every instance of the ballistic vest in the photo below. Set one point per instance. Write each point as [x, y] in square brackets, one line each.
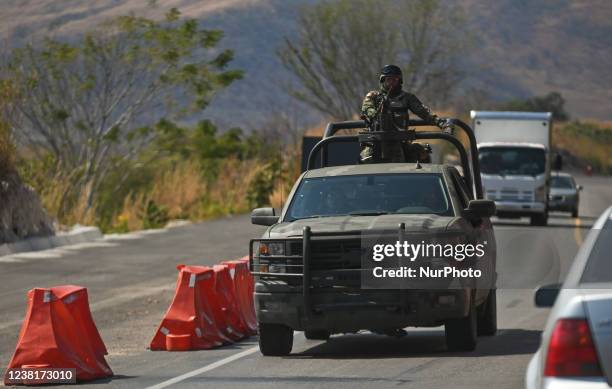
[398, 111]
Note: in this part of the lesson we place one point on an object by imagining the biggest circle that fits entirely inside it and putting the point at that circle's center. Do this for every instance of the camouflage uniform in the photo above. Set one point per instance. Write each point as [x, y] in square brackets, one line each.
[399, 105]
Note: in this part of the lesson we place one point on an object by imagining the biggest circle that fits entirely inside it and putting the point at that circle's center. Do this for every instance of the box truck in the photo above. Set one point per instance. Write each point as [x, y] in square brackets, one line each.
[515, 161]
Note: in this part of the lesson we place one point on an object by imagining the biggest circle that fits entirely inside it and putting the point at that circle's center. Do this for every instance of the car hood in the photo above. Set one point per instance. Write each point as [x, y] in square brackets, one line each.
[413, 223]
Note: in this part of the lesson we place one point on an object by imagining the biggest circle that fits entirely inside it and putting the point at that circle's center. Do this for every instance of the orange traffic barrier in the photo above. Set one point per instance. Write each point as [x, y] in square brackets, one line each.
[242, 281]
[251, 282]
[192, 321]
[235, 326]
[58, 332]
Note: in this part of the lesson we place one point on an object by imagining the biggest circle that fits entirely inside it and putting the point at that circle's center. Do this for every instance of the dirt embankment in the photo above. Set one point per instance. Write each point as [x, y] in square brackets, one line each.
[21, 212]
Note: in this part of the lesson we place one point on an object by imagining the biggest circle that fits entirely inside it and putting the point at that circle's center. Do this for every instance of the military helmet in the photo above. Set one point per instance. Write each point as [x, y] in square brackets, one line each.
[390, 70]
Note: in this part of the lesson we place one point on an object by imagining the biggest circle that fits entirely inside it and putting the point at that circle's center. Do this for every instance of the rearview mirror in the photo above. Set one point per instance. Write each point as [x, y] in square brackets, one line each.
[264, 216]
[546, 295]
[480, 208]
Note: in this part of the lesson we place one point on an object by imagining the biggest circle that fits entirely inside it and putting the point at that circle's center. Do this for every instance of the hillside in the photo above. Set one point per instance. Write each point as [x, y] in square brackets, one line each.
[524, 47]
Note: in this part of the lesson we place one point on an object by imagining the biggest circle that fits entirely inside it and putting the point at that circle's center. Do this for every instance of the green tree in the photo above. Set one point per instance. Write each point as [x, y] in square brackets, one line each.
[80, 102]
[552, 102]
[263, 183]
[342, 45]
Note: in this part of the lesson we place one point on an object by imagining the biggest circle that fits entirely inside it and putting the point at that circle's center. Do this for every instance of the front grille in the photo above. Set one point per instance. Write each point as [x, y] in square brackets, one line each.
[343, 254]
[510, 195]
[334, 254]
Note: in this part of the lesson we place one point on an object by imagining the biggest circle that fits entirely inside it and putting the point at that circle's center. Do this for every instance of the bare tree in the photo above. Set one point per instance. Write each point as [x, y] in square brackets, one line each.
[82, 102]
[342, 46]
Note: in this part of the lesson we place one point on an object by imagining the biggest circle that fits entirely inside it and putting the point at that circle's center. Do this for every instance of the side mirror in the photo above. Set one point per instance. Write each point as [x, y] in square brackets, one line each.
[264, 216]
[579, 187]
[546, 295]
[480, 208]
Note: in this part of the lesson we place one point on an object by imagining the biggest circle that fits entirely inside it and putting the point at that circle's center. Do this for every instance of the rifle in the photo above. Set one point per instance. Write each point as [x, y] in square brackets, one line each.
[375, 124]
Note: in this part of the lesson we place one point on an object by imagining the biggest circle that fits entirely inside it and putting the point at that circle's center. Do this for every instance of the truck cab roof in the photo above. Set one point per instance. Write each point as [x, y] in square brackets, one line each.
[512, 144]
[379, 168]
[510, 115]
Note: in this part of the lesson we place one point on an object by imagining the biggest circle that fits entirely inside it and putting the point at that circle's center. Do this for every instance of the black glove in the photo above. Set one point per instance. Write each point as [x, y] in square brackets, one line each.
[446, 125]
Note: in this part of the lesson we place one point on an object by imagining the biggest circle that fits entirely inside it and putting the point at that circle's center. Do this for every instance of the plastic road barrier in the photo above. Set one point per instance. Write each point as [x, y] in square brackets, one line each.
[243, 291]
[59, 332]
[192, 321]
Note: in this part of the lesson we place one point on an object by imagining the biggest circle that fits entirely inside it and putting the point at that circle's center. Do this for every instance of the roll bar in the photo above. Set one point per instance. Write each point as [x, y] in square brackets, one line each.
[471, 170]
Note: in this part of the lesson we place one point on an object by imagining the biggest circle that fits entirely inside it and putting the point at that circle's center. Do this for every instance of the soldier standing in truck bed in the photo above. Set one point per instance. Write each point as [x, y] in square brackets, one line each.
[397, 102]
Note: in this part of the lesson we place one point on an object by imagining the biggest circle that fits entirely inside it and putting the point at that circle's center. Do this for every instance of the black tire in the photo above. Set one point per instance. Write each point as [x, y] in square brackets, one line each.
[275, 339]
[539, 220]
[317, 334]
[575, 213]
[461, 334]
[487, 315]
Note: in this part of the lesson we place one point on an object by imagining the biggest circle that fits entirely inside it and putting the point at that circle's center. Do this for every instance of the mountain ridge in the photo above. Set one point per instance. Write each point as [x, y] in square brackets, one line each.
[523, 48]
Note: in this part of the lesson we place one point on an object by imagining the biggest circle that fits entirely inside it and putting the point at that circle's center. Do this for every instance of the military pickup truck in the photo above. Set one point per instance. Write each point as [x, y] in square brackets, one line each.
[309, 268]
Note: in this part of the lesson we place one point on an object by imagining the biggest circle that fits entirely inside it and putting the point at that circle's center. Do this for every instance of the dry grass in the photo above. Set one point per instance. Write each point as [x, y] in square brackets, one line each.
[183, 193]
[228, 194]
[179, 189]
[292, 161]
[54, 194]
[589, 142]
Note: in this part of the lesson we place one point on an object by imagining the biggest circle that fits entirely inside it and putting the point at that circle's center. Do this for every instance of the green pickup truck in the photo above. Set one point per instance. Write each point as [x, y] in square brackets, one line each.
[309, 265]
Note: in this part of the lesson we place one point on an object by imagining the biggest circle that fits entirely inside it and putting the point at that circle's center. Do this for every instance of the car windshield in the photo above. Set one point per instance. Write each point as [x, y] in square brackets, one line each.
[562, 182]
[512, 160]
[369, 195]
[599, 264]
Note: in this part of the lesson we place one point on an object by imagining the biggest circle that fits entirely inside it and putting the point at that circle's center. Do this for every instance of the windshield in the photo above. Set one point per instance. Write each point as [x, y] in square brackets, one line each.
[562, 182]
[512, 160]
[599, 265]
[369, 195]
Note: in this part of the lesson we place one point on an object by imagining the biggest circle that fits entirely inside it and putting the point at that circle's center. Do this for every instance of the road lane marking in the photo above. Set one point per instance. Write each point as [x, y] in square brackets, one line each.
[205, 369]
[53, 252]
[298, 336]
[578, 232]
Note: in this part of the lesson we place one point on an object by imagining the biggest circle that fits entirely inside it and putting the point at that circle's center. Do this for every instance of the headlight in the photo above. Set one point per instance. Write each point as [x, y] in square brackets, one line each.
[272, 248]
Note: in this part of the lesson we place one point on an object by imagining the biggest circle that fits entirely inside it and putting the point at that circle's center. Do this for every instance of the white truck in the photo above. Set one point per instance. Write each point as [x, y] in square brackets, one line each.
[515, 161]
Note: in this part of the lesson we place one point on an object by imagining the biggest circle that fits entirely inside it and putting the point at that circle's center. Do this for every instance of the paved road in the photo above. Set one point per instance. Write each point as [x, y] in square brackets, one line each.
[130, 281]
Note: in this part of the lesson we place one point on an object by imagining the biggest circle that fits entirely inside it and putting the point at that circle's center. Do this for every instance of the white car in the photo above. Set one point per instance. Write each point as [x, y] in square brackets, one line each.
[564, 193]
[576, 347]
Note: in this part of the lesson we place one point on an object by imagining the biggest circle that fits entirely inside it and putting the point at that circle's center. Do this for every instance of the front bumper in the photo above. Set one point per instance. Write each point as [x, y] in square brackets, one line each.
[515, 208]
[367, 309]
[563, 203]
[306, 297]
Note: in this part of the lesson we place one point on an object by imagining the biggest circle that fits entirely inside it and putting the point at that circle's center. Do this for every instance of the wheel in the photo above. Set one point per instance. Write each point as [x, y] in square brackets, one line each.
[539, 220]
[487, 315]
[575, 213]
[317, 334]
[275, 339]
[461, 333]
